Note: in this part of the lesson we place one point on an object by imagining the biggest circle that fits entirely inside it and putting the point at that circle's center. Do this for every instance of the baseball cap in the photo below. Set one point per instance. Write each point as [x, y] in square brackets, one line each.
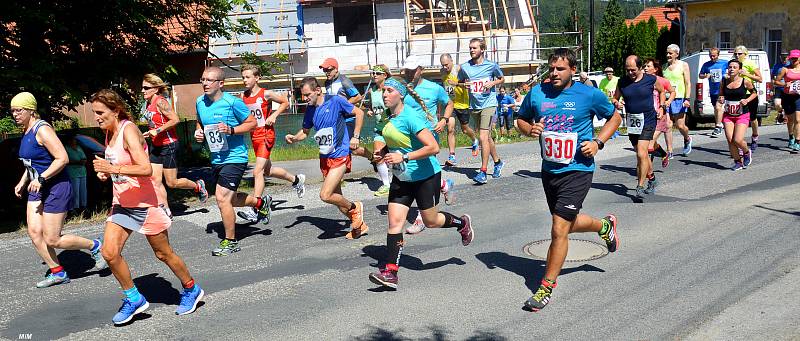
[794, 54]
[329, 63]
[412, 62]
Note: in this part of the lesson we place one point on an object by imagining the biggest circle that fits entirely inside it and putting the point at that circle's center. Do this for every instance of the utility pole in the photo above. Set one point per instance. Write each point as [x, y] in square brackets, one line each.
[591, 32]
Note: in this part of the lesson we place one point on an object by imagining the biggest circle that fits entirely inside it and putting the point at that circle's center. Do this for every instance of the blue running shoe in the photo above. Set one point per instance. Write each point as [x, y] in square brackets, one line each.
[747, 159]
[448, 192]
[498, 167]
[53, 279]
[451, 161]
[475, 147]
[129, 309]
[687, 147]
[202, 192]
[480, 178]
[189, 300]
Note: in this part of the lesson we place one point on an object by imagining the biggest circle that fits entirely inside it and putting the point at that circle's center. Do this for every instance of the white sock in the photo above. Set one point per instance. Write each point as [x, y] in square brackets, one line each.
[383, 174]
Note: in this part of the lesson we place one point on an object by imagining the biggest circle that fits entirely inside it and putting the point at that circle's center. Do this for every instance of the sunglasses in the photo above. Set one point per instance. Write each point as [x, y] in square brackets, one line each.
[327, 70]
[151, 87]
[208, 80]
[739, 53]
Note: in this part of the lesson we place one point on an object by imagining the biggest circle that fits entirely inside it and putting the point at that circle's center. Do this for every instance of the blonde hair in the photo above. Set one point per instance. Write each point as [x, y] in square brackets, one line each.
[743, 49]
[156, 82]
[252, 68]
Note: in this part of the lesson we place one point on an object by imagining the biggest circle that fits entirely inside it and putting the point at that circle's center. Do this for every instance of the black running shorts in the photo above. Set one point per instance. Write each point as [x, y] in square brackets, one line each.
[228, 175]
[462, 115]
[166, 155]
[647, 134]
[425, 192]
[565, 192]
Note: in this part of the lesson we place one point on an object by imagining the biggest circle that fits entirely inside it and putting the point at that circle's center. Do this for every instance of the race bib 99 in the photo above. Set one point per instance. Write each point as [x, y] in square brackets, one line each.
[635, 123]
[479, 85]
[255, 110]
[732, 108]
[324, 138]
[558, 147]
[217, 141]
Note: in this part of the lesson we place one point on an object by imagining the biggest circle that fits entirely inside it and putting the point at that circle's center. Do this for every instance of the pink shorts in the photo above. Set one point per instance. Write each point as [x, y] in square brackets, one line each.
[145, 220]
[743, 119]
[662, 125]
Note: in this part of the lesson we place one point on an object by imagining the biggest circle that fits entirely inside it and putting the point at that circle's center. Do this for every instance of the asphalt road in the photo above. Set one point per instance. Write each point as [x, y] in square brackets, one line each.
[714, 255]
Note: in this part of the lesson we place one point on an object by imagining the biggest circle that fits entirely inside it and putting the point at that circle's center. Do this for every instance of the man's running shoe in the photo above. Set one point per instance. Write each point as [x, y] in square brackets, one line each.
[249, 214]
[467, 233]
[791, 143]
[417, 226]
[300, 188]
[383, 191]
[640, 192]
[358, 227]
[498, 168]
[796, 146]
[129, 309]
[610, 237]
[687, 147]
[475, 147]
[542, 296]
[451, 161]
[753, 143]
[716, 132]
[265, 212]
[53, 279]
[670, 155]
[189, 300]
[747, 159]
[226, 248]
[480, 178]
[651, 186]
[202, 192]
[448, 191]
[665, 161]
[387, 278]
[99, 261]
[737, 165]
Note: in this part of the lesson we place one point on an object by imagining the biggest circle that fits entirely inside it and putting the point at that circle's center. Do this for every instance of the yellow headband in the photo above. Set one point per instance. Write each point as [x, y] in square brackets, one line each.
[24, 100]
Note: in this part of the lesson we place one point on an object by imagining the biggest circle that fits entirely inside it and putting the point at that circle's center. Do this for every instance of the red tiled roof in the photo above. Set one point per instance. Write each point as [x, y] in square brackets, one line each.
[655, 12]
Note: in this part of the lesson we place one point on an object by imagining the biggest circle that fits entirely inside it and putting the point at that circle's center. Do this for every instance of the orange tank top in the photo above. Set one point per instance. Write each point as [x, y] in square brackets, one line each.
[260, 107]
[129, 191]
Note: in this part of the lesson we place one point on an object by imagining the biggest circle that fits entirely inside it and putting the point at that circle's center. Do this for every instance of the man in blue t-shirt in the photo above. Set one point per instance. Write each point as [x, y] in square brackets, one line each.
[337, 84]
[505, 109]
[327, 117]
[560, 114]
[482, 76]
[714, 70]
[778, 90]
[222, 121]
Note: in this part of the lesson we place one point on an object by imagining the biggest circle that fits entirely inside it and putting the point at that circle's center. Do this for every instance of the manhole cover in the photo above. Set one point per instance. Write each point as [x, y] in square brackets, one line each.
[579, 250]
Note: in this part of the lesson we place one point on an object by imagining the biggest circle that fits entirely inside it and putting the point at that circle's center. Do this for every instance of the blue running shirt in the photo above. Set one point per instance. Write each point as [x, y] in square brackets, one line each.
[328, 120]
[231, 111]
[479, 74]
[401, 135]
[432, 95]
[717, 71]
[567, 111]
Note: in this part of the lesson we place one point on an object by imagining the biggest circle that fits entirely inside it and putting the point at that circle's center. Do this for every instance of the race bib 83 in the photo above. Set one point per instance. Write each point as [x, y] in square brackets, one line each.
[217, 141]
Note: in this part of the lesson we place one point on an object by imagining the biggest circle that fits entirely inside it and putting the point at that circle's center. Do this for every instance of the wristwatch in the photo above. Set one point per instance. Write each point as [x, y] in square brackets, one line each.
[600, 144]
[405, 157]
[41, 180]
[357, 137]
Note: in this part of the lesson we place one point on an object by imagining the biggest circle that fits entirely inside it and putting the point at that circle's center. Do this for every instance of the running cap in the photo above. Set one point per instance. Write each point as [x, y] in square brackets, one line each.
[395, 84]
[329, 63]
[412, 62]
[24, 100]
[381, 69]
[794, 54]
[608, 69]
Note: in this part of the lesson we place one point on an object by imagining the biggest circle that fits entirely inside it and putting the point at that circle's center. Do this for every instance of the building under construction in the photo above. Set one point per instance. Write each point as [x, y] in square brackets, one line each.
[362, 33]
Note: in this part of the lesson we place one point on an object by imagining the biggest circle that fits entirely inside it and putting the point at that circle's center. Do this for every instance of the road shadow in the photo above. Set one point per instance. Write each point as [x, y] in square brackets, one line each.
[712, 151]
[469, 173]
[331, 228]
[378, 254]
[372, 183]
[796, 214]
[277, 205]
[532, 270]
[618, 189]
[243, 231]
[138, 317]
[383, 209]
[156, 289]
[617, 169]
[524, 173]
[189, 212]
[437, 333]
[79, 264]
[708, 164]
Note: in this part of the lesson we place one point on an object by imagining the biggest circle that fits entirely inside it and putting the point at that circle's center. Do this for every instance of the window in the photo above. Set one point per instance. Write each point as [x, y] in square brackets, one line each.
[774, 44]
[724, 40]
[353, 24]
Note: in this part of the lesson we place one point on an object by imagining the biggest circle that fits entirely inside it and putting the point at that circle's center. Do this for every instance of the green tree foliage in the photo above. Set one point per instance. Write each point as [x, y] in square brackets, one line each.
[642, 39]
[62, 51]
[611, 44]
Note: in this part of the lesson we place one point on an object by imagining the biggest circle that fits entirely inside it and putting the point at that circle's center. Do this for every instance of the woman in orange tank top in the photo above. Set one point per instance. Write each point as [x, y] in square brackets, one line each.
[134, 207]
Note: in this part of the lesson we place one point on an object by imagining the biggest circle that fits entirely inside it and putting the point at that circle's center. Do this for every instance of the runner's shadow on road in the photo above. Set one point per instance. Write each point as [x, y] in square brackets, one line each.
[617, 169]
[378, 253]
[79, 263]
[137, 317]
[331, 228]
[372, 183]
[712, 151]
[183, 213]
[796, 214]
[242, 230]
[528, 174]
[276, 205]
[532, 270]
[712, 165]
[437, 333]
[157, 289]
[469, 173]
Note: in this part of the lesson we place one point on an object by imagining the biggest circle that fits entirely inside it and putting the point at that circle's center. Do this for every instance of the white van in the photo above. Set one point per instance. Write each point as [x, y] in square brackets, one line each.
[702, 110]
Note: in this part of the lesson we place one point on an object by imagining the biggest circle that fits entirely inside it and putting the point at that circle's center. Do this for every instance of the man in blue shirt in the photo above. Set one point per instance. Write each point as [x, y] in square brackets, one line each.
[505, 109]
[327, 117]
[337, 84]
[222, 121]
[713, 70]
[560, 114]
[482, 76]
[778, 90]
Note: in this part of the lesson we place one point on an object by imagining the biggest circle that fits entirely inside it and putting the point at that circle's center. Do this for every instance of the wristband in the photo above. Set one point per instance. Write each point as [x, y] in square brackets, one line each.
[233, 132]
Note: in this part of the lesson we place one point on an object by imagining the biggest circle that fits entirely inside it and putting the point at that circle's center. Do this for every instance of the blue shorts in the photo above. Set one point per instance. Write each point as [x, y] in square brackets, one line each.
[714, 99]
[55, 197]
[676, 107]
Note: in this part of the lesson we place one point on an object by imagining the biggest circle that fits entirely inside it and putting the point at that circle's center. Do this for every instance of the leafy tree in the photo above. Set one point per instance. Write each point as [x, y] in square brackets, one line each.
[611, 39]
[62, 51]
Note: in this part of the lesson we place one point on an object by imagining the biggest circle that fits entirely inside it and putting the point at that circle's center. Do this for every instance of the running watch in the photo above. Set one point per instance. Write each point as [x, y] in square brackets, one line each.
[600, 144]
[405, 157]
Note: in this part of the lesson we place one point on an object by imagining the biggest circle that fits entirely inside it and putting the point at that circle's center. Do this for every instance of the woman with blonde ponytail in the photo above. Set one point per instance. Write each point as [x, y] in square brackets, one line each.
[411, 155]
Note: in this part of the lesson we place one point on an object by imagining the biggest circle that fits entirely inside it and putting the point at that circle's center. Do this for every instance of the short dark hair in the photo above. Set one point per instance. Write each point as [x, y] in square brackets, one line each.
[563, 53]
[310, 81]
[637, 61]
[732, 61]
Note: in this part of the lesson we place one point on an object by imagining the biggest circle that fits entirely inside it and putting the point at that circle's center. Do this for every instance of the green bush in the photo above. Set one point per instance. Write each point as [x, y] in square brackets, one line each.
[7, 125]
